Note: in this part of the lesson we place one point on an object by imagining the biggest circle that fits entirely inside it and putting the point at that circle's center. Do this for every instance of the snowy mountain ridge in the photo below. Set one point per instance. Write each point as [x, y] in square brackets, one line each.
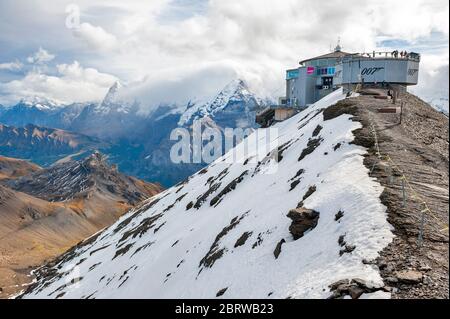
[235, 91]
[301, 230]
[41, 103]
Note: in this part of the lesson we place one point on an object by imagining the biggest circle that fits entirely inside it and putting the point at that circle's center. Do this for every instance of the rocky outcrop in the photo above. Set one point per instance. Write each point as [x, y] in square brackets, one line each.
[303, 220]
[353, 288]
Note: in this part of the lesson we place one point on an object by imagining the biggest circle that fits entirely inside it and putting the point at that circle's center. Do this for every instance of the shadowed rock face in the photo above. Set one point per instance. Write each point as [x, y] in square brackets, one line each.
[302, 220]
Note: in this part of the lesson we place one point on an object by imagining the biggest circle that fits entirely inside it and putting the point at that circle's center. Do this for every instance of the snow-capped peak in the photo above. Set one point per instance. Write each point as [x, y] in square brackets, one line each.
[235, 91]
[111, 96]
[111, 101]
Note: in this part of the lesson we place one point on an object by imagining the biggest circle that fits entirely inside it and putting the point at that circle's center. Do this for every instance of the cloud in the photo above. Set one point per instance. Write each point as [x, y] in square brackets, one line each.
[168, 41]
[11, 66]
[41, 56]
[95, 37]
[260, 39]
[71, 83]
[197, 84]
[435, 74]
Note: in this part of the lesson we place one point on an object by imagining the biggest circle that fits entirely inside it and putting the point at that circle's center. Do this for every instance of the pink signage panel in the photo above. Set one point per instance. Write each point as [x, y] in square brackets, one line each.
[310, 70]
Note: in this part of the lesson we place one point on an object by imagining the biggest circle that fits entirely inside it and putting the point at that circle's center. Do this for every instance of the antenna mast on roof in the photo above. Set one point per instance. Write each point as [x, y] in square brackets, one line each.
[338, 47]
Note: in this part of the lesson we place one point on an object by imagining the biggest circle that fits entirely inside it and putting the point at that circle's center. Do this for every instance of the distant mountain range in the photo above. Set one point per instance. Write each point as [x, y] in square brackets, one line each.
[44, 145]
[138, 142]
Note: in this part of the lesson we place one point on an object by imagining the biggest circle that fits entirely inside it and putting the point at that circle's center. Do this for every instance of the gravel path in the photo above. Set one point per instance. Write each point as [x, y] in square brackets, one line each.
[416, 148]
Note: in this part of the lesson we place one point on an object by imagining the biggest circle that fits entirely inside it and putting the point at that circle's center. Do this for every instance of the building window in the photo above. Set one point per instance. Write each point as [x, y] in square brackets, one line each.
[326, 71]
[292, 74]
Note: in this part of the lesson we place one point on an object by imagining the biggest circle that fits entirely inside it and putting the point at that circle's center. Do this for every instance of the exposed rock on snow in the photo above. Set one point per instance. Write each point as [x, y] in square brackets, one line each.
[243, 239]
[215, 252]
[221, 292]
[308, 193]
[310, 147]
[277, 250]
[354, 288]
[302, 220]
[339, 215]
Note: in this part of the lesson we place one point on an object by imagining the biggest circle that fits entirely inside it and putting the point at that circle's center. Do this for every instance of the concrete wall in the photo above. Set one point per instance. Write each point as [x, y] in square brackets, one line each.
[282, 114]
[302, 89]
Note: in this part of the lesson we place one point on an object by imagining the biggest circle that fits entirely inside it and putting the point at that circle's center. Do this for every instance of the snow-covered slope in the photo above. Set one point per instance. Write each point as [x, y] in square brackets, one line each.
[225, 231]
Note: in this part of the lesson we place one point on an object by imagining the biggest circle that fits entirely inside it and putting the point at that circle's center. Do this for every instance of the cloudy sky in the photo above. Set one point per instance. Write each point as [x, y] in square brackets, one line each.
[173, 50]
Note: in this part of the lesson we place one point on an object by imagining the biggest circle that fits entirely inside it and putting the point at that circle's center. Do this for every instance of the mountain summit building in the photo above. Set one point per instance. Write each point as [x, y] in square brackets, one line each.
[319, 76]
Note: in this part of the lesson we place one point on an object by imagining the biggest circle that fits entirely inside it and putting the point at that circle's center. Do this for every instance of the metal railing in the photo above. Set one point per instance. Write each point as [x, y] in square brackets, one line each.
[401, 55]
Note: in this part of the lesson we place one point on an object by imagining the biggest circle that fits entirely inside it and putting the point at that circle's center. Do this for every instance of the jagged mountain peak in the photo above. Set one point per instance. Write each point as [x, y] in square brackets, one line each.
[237, 86]
[233, 93]
[112, 93]
[111, 102]
[235, 90]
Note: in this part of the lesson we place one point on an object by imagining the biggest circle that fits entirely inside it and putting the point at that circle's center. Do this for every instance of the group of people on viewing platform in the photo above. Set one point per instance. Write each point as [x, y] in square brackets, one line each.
[404, 54]
[395, 54]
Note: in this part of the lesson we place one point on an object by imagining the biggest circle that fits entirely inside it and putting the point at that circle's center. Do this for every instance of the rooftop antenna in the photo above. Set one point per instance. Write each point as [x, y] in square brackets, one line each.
[338, 47]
